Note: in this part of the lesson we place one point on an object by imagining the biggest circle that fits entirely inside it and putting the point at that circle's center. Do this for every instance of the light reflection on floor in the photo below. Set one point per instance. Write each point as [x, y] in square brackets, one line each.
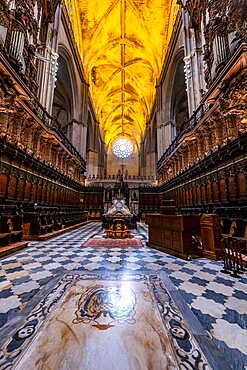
[105, 322]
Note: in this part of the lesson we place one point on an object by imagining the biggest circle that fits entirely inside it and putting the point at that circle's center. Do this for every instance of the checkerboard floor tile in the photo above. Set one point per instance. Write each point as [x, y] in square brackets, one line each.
[219, 301]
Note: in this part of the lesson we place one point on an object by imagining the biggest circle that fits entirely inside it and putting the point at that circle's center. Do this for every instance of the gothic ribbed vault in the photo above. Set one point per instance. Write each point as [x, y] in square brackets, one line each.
[122, 45]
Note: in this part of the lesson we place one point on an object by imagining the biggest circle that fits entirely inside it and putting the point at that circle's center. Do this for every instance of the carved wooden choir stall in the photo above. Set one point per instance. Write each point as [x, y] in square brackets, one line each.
[11, 229]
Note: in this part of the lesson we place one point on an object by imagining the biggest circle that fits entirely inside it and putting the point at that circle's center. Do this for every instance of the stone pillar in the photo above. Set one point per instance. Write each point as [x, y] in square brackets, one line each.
[79, 136]
[159, 141]
[92, 163]
[47, 69]
[193, 64]
[47, 76]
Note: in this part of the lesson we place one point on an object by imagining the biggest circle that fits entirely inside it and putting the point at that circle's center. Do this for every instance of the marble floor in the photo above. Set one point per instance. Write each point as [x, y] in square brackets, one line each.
[212, 304]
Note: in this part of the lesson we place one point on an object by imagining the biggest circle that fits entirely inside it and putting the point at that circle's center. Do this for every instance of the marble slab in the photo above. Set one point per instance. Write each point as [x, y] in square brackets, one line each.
[108, 321]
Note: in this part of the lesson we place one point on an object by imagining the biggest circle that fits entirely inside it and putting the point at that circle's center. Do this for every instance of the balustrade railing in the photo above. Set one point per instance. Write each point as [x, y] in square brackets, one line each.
[66, 142]
[41, 113]
[52, 124]
[186, 127]
[93, 178]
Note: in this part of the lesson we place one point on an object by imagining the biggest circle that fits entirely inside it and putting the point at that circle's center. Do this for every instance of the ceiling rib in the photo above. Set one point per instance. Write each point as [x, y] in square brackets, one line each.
[123, 44]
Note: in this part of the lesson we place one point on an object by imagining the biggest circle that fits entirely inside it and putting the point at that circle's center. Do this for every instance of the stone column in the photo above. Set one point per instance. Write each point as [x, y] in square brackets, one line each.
[47, 76]
[193, 64]
[47, 68]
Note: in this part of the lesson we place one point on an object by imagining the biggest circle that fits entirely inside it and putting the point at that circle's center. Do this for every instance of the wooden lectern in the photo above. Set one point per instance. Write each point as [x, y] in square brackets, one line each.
[211, 236]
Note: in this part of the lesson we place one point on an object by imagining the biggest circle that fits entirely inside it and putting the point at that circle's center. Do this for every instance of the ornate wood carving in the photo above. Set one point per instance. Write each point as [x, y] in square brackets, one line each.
[233, 101]
[195, 9]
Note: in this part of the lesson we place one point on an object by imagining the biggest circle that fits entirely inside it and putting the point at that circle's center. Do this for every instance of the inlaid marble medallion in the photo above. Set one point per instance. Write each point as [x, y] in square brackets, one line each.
[108, 321]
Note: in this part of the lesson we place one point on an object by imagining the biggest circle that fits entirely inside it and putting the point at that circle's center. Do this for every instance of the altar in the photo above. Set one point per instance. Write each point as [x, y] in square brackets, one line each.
[119, 219]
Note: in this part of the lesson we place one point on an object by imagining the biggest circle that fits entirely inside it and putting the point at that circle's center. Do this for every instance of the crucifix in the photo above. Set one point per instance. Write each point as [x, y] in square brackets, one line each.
[122, 166]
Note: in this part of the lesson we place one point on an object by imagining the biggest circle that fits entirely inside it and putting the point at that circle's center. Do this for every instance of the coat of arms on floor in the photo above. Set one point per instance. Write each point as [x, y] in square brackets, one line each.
[107, 321]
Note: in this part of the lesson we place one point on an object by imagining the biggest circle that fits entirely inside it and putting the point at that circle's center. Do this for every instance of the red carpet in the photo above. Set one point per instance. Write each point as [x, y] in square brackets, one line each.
[107, 242]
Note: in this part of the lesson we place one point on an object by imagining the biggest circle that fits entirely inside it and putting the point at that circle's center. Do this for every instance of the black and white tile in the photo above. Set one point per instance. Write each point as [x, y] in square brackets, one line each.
[218, 301]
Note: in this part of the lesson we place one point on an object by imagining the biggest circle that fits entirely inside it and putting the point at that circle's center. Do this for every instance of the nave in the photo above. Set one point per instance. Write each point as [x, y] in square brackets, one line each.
[216, 302]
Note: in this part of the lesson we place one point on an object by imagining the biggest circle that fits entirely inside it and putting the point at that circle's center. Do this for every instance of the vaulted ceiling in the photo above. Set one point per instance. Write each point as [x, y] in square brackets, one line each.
[122, 45]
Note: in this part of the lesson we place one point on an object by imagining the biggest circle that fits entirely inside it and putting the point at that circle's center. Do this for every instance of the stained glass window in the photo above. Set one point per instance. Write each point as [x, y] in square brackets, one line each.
[122, 148]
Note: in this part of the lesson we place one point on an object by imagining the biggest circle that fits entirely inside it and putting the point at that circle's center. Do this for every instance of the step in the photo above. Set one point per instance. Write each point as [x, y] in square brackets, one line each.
[9, 249]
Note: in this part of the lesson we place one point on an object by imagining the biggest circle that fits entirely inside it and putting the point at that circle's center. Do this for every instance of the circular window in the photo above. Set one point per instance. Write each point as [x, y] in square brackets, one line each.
[122, 148]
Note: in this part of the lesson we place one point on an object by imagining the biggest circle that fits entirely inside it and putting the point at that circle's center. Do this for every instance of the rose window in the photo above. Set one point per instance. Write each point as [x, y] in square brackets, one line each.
[122, 148]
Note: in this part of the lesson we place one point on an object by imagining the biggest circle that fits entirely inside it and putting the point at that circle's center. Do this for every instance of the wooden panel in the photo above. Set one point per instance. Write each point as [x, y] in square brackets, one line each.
[176, 235]
[3, 185]
[166, 232]
[167, 238]
[20, 194]
[191, 223]
[194, 195]
[232, 188]
[180, 197]
[187, 196]
[166, 222]
[177, 222]
[223, 196]
[176, 244]
[241, 184]
[152, 234]
[43, 195]
[48, 193]
[27, 190]
[215, 191]
[190, 196]
[39, 196]
[58, 195]
[55, 194]
[12, 187]
[159, 235]
[34, 192]
[208, 192]
[51, 193]
[211, 236]
[203, 193]
[198, 195]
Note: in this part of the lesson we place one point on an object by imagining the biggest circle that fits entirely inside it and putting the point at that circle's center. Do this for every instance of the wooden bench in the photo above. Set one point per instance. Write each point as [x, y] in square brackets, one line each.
[46, 220]
[10, 225]
[5, 238]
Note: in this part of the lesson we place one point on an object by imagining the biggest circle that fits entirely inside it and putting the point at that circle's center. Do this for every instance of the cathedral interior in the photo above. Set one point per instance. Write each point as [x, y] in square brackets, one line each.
[123, 202]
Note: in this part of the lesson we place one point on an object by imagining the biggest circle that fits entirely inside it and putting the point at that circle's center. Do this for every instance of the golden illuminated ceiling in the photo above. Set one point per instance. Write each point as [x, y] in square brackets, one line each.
[122, 45]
